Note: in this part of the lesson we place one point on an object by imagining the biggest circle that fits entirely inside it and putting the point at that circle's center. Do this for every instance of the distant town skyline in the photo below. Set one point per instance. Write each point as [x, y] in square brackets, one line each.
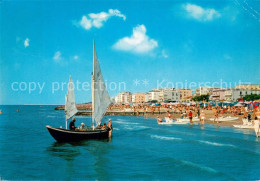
[138, 43]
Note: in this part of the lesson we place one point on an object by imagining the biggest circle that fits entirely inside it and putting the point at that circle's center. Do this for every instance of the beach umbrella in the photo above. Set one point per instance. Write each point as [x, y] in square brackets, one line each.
[253, 105]
[238, 105]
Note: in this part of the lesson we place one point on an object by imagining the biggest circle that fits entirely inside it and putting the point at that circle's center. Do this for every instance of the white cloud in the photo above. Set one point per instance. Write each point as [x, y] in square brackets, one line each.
[201, 14]
[26, 42]
[164, 54]
[97, 20]
[76, 57]
[139, 42]
[57, 56]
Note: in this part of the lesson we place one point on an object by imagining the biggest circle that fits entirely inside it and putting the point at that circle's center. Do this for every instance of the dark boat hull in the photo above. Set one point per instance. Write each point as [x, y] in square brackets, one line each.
[63, 135]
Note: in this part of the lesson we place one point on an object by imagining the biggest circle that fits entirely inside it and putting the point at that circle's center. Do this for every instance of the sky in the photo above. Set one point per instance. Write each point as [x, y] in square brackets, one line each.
[140, 45]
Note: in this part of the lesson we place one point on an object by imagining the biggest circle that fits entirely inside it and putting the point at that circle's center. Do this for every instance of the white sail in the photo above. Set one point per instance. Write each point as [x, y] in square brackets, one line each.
[70, 105]
[101, 98]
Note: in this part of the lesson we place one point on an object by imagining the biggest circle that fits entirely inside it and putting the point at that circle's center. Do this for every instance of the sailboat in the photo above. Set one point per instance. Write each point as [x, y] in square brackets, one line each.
[100, 102]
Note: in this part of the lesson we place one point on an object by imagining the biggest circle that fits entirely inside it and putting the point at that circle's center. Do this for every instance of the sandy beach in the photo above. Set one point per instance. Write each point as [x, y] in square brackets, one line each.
[209, 114]
[162, 114]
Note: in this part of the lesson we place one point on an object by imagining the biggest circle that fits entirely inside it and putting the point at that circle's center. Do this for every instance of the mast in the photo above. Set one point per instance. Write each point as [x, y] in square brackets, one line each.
[66, 121]
[93, 85]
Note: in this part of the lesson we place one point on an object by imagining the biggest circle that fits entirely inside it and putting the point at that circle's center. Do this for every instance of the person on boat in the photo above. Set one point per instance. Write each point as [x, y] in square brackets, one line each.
[104, 126]
[190, 116]
[110, 127]
[72, 124]
[1, 112]
[82, 127]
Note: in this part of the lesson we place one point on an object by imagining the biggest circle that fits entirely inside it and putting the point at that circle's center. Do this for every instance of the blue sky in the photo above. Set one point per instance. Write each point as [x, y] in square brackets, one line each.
[139, 43]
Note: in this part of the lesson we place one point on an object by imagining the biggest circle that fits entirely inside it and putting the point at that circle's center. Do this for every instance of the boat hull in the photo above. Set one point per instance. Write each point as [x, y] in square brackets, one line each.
[244, 126]
[63, 135]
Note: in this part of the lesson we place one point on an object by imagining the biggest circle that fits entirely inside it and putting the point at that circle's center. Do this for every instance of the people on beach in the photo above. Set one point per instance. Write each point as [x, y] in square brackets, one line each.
[258, 114]
[202, 117]
[190, 116]
[169, 114]
[249, 117]
[198, 113]
[216, 116]
[245, 115]
[256, 127]
[183, 110]
[72, 124]
[257, 122]
[184, 114]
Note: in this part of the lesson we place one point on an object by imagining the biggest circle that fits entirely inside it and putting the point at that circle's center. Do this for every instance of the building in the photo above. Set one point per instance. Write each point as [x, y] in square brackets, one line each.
[255, 87]
[146, 97]
[139, 98]
[205, 90]
[235, 94]
[166, 94]
[228, 95]
[154, 95]
[185, 94]
[170, 94]
[123, 98]
[240, 93]
[218, 95]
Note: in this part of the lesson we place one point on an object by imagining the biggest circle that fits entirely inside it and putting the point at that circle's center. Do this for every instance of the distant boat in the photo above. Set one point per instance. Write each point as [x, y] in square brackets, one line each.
[245, 125]
[167, 121]
[178, 121]
[100, 102]
[223, 119]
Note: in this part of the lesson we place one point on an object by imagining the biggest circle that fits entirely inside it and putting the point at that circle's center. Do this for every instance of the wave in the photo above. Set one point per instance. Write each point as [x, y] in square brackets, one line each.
[125, 122]
[200, 167]
[164, 137]
[136, 127]
[49, 116]
[215, 144]
[117, 129]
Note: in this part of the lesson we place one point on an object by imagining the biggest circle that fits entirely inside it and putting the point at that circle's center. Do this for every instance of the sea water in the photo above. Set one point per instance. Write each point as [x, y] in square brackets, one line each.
[139, 149]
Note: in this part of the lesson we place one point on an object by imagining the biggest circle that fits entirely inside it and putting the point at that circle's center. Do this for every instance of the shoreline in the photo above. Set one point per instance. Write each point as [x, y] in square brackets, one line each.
[209, 115]
[162, 115]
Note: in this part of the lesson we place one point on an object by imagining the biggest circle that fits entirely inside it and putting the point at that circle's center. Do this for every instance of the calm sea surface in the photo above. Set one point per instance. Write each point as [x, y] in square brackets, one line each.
[139, 149]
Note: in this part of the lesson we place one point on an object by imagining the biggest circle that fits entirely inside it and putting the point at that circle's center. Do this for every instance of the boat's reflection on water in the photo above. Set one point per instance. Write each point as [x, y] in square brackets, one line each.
[65, 151]
[93, 153]
[68, 151]
[100, 151]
